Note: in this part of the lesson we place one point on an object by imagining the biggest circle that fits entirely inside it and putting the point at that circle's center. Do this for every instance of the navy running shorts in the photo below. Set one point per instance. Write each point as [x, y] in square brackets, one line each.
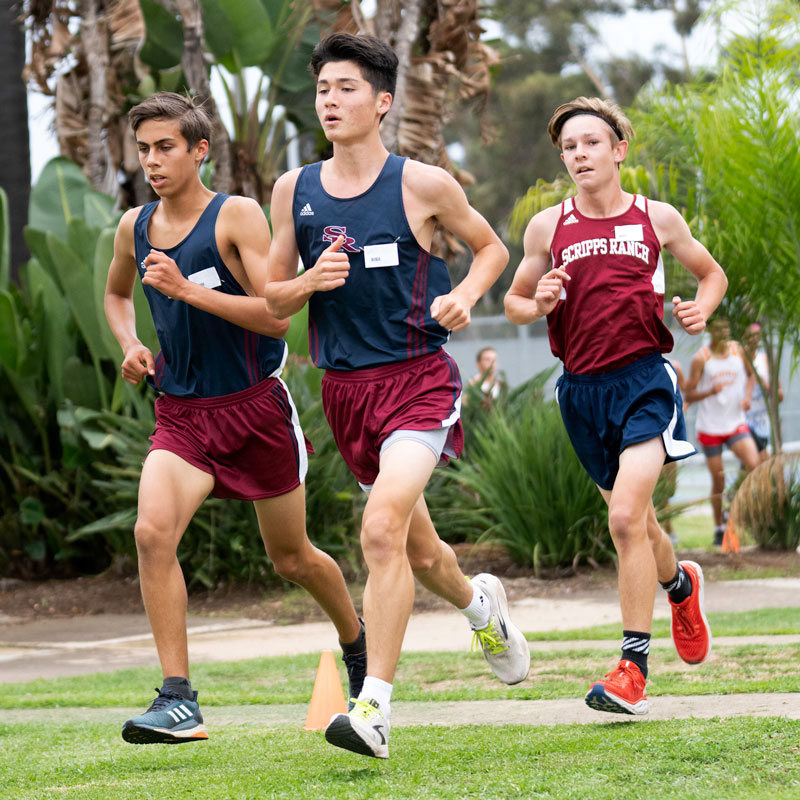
[606, 413]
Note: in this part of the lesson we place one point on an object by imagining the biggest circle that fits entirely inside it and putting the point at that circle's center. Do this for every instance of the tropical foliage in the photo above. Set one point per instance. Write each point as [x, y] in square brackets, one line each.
[733, 151]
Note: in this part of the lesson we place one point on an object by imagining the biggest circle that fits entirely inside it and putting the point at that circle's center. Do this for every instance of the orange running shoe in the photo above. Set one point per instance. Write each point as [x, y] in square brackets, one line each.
[620, 692]
[691, 634]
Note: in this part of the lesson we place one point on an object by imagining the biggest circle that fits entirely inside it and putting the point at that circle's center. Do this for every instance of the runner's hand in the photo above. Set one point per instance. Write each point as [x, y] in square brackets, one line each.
[331, 269]
[451, 311]
[162, 273]
[548, 290]
[689, 315]
[138, 362]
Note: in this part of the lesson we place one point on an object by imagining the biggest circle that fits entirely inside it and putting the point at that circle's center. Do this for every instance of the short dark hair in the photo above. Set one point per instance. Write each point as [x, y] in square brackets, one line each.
[194, 121]
[377, 60]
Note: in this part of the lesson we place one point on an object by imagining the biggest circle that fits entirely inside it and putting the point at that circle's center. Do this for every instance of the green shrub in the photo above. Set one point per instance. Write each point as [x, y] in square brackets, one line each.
[528, 490]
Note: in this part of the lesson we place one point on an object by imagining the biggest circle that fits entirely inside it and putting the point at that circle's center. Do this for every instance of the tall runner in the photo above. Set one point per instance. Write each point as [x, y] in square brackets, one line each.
[592, 266]
[380, 309]
[225, 421]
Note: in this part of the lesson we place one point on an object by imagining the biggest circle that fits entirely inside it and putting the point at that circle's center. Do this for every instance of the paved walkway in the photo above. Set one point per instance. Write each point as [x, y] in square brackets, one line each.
[475, 712]
[53, 648]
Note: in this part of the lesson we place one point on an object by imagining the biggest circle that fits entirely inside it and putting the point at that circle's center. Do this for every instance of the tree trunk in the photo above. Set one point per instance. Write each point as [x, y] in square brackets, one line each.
[403, 44]
[196, 71]
[94, 37]
[15, 159]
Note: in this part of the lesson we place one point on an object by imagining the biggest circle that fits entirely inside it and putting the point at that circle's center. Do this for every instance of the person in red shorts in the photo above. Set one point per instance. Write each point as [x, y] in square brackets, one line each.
[718, 380]
[380, 309]
[593, 267]
[225, 421]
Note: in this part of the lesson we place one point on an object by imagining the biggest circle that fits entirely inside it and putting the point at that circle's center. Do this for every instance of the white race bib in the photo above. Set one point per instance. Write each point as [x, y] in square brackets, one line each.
[628, 233]
[381, 255]
[206, 277]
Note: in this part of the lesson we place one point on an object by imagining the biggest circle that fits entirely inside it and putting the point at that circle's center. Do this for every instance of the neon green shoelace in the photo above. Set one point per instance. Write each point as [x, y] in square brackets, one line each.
[365, 710]
[489, 640]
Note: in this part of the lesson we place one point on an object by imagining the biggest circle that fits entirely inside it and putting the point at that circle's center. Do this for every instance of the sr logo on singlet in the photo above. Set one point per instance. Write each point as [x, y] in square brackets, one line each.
[332, 232]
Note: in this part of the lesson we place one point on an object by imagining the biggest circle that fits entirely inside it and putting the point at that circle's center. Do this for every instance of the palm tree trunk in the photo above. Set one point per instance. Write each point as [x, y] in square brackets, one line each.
[94, 38]
[15, 159]
[196, 71]
[403, 42]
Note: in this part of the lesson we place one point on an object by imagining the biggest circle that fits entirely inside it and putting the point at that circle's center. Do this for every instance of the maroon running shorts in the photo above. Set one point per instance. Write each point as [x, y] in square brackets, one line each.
[250, 441]
[365, 406]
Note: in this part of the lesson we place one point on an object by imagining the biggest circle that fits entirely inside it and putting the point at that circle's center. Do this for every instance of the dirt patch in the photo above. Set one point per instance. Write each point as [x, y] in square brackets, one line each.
[111, 594]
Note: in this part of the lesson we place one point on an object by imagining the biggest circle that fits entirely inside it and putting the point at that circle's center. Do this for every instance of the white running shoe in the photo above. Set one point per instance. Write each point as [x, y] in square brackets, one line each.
[364, 730]
[502, 642]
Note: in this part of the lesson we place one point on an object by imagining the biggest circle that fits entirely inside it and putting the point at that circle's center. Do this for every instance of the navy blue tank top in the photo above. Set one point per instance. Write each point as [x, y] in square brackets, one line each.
[381, 314]
[202, 355]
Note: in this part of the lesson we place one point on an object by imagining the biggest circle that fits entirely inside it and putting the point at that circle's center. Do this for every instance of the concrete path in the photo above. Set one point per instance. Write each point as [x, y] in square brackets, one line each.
[63, 647]
[476, 712]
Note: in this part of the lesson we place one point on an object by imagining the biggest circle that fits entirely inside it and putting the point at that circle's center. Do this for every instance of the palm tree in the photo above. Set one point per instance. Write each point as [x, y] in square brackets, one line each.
[15, 153]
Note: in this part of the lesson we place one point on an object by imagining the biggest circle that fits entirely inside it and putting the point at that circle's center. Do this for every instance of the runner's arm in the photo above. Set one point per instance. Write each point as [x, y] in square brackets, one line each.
[242, 224]
[692, 395]
[442, 194]
[674, 234]
[535, 291]
[118, 303]
[285, 291]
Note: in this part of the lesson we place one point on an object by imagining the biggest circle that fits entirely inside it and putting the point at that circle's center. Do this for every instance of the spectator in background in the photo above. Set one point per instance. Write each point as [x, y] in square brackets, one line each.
[717, 381]
[757, 416]
[488, 379]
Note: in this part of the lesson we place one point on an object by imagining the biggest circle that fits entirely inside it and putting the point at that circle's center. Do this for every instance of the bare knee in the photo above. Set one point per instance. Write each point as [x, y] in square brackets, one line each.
[153, 542]
[625, 524]
[293, 566]
[382, 538]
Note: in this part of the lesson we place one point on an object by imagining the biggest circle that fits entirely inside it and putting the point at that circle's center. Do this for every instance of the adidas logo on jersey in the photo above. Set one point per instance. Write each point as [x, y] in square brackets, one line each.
[306, 211]
[571, 220]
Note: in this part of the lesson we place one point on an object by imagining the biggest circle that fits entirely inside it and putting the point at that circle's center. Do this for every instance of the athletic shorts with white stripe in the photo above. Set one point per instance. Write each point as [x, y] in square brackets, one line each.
[606, 413]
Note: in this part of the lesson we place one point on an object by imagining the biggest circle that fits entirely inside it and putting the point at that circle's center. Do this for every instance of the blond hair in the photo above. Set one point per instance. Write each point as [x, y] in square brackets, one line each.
[609, 112]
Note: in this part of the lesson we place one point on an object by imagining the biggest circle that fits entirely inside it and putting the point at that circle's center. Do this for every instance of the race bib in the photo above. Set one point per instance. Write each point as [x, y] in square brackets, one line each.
[381, 255]
[206, 277]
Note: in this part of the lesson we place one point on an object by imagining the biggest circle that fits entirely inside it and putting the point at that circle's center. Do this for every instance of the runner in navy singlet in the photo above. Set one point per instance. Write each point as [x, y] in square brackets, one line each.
[592, 265]
[225, 423]
[380, 309]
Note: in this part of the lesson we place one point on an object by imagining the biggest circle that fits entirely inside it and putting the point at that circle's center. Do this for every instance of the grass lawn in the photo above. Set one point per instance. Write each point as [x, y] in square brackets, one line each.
[713, 759]
[681, 759]
[758, 622]
[426, 676]
[693, 530]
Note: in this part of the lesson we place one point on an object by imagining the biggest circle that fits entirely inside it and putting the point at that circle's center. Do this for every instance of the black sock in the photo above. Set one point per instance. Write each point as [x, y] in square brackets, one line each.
[680, 587]
[636, 647]
[358, 646]
[179, 684]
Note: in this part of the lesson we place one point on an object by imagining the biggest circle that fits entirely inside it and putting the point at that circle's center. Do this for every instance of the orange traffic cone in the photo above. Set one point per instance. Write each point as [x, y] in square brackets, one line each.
[327, 698]
[730, 540]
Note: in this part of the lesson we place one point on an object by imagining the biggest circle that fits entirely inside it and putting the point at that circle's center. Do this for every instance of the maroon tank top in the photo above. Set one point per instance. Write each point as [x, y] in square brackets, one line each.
[611, 312]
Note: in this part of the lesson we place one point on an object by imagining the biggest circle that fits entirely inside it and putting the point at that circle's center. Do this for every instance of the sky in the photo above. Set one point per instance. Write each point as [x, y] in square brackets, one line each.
[635, 32]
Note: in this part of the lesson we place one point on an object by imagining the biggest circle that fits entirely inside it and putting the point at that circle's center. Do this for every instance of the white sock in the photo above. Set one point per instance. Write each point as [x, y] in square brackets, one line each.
[479, 611]
[379, 691]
